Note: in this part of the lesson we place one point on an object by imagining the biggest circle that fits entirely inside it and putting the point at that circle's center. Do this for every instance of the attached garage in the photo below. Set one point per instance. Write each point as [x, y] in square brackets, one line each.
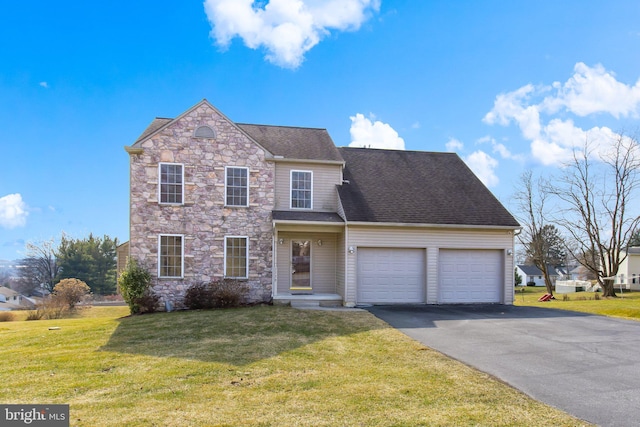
[470, 276]
[391, 275]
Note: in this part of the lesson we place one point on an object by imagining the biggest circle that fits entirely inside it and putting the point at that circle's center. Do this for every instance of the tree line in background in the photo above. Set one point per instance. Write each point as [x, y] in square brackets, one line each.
[92, 260]
[588, 213]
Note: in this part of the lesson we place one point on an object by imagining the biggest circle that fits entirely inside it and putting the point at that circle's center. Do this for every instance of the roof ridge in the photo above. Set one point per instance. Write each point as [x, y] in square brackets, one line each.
[280, 126]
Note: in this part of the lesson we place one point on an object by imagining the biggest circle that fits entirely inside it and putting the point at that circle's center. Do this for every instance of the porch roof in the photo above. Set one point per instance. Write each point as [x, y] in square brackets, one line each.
[326, 217]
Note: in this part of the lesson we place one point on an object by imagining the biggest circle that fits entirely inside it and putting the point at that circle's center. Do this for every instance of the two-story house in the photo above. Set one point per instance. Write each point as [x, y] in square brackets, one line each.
[298, 218]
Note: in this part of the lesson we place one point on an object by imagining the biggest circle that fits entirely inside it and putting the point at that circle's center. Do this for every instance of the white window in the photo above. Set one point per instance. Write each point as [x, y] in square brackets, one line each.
[171, 188]
[236, 257]
[236, 185]
[301, 189]
[170, 255]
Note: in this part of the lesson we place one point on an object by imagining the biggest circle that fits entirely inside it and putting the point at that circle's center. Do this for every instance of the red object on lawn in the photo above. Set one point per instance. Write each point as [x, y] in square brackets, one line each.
[545, 297]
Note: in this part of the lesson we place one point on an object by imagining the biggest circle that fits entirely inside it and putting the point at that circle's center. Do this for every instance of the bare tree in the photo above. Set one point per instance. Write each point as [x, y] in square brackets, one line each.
[541, 240]
[40, 267]
[597, 192]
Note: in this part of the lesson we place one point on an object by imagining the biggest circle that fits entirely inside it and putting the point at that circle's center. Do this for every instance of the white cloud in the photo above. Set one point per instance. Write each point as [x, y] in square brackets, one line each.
[373, 134]
[590, 90]
[44, 85]
[286, 29]
[594, 90]
[416, 125]
[484, 166]
[501, 149]
[13, 211]
[454, 145]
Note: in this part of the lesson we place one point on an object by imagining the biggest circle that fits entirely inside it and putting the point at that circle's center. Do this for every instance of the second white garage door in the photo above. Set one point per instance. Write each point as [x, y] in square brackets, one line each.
[469, 276]
[390, 275]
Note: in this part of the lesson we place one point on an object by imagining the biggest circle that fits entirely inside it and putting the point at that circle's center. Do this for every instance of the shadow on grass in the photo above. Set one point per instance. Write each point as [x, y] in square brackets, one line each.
[233, 336]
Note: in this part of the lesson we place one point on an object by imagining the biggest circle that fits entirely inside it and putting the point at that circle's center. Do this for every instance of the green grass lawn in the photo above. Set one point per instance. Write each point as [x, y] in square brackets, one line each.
[626, 305]
[258, 366]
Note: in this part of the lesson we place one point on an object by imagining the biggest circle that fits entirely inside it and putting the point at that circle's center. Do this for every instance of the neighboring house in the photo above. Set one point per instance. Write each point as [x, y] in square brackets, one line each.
[12, 300]
[285, 210]
[629, 270]
[531, 273]
[122, 252]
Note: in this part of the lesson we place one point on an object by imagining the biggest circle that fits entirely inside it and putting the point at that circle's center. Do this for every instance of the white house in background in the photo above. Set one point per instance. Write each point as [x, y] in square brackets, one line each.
[531, 273]
[629, 271]
[12, 300]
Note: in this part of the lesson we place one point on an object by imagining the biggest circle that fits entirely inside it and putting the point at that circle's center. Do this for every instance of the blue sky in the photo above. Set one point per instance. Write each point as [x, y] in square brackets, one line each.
[508, 85]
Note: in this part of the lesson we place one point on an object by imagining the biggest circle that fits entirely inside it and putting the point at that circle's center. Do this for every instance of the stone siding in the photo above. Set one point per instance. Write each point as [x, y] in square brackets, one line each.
[203, 219]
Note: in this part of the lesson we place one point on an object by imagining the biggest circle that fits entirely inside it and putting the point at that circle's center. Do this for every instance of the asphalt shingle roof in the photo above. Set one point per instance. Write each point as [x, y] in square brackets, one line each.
[156, 124]
[306, 216]
[532, 270]
[294, 142]
[416, 187]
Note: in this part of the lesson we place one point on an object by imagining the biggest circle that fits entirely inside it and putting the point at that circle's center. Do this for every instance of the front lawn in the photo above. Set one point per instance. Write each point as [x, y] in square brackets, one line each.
[626, 305]
[252, 366]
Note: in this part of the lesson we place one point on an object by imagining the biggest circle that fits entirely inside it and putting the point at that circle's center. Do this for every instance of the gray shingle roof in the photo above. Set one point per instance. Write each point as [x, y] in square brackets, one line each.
[417, 188]
[532, 270]
[306, 216]
[156, 124]
[294, 142]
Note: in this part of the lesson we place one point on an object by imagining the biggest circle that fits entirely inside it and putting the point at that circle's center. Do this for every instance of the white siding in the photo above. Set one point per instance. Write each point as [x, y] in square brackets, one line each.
[323, 261]
[432, 240]
[325, 179]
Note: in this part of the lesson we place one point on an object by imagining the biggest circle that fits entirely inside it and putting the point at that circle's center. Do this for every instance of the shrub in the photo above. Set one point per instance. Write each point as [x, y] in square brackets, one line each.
[71, 292]
[51, 308]
[148, 302]
[223, 293]
[133, 284]
[7, 316]
[229, 293]
[199, 296]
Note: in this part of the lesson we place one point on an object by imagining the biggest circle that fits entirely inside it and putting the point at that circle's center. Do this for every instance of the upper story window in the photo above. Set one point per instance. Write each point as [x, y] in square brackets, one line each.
[301, 189]
[171, 180]
[236, 186]
[170, 255]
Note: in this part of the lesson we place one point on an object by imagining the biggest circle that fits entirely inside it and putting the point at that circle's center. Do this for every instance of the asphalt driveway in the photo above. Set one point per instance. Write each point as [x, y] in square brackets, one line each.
[586, 365]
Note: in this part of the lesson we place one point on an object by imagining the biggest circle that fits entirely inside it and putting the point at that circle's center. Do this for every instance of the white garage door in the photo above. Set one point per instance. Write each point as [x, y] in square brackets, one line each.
[469, 276]
[388, 275]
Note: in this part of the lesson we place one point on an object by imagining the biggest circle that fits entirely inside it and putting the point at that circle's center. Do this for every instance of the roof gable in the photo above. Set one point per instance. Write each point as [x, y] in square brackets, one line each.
[532, 270]
[396, 186]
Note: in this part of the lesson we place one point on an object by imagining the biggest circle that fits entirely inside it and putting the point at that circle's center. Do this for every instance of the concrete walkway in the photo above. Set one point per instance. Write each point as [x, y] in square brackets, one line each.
[585, 365]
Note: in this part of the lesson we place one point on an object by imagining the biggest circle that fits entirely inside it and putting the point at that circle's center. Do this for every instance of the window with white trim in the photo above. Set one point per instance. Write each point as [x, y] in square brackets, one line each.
[301, 189]
[170, 255]
[236, 185]
[171, 179]
[236, 257]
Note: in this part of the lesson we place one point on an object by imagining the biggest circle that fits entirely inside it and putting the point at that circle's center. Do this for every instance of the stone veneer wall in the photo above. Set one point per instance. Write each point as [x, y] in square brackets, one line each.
[203, 219]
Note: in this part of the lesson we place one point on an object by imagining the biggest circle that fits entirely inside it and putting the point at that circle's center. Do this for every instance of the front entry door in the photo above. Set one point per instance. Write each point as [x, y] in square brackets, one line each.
[301, 265]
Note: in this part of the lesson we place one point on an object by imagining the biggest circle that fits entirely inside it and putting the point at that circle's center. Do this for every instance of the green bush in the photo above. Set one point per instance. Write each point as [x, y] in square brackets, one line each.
[134, 284]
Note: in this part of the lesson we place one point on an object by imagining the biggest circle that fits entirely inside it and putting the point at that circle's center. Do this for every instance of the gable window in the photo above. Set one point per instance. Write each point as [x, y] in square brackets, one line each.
[171, 183]
[236, 186]
[236, 255]
[204, 132]
[170, 255]
[301, 189]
